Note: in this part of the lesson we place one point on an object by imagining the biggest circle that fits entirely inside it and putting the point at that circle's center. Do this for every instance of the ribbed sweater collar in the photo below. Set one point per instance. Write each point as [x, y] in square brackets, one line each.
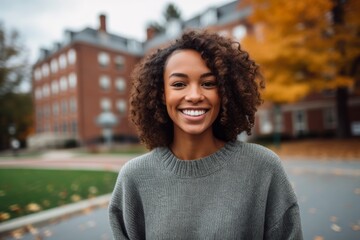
[199, 167]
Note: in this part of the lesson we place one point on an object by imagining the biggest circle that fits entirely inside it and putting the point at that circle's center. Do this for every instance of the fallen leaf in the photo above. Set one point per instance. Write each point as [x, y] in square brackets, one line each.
[4, 216]
[75, 198]
[333, 219]
[15, 208]
[335, 227]
[318, 238]
[357, 191]
[93, 190]
[33, 207]
[355, 227]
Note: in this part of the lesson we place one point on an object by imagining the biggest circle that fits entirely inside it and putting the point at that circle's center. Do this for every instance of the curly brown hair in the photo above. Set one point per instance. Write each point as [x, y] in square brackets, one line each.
[239, 85]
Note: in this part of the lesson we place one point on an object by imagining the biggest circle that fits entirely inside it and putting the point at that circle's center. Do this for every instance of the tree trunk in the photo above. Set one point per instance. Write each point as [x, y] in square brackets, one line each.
[343, 126]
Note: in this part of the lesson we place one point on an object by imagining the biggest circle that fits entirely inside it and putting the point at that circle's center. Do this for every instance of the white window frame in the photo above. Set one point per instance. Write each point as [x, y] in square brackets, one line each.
[103, 59]
[71, 55]
[72, 78]
[54, 67]
[105, 104]
[121, 105]
[105, 82]
[329, 114]
[299, 127]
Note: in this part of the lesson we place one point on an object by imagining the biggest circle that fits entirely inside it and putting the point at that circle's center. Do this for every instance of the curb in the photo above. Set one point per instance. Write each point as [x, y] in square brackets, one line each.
[53, 214]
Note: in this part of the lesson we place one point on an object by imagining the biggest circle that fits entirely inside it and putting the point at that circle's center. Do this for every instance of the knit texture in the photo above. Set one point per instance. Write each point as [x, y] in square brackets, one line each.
[239, 192]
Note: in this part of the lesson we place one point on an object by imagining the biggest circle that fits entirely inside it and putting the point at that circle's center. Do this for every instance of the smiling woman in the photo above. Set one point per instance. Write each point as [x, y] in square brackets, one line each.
[189, 102]
[191, 98]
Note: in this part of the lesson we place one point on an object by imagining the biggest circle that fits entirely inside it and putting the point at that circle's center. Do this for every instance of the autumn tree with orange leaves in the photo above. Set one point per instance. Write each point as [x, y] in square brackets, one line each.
[306, 46]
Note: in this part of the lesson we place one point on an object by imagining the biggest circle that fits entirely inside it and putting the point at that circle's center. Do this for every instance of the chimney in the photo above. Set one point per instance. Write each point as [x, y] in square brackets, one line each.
[150, 33]
[102, 27]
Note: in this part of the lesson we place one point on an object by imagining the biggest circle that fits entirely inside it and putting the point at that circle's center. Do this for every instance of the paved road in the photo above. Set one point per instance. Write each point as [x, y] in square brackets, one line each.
[328, 193]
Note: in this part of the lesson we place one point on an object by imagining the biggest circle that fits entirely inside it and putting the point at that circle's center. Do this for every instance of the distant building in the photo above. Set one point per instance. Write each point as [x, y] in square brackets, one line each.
[86, 74]
[89, 73]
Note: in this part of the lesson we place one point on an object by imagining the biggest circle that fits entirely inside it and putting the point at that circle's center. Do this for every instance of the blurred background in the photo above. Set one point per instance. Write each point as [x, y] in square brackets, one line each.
[65, 70]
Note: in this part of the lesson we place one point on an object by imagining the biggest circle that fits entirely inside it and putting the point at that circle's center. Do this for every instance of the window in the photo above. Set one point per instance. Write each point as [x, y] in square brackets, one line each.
[121, 106]
[104, 82]
[329, 117]
[239, 32]
[55, 109]
[265, 125]
[45, 69]
[120, 84]
[72, 80]
[37, 74]
[119, 62]
[64, 106]
[72, 104]
[105, 104]
[74, 127]
[300, 122]
[39, 113]
[103, 59]
[54, 66]
[54, 87]
[56, 129]
[46, 111]
[62, 61]
[64, 128]
[38, 93]
[71, 55]
[63, 84]
[46, 90]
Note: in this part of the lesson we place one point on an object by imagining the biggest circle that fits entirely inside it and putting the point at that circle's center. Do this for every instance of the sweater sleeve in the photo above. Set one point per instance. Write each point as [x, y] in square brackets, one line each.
[125, 209]
[282, 210]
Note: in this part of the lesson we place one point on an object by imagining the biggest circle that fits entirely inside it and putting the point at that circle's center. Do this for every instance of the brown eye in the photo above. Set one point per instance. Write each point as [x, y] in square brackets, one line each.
[178, 85]
[209, 84]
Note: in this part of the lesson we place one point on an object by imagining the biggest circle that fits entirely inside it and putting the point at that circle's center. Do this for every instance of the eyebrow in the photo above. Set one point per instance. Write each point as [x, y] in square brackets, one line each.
[182, 75]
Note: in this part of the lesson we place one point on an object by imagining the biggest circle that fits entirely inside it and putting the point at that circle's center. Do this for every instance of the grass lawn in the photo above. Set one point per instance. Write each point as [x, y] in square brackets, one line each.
[25, 191]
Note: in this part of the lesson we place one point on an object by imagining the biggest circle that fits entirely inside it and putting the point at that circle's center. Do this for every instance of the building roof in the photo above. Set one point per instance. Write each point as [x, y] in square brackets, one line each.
[97, 38]
[213, 16]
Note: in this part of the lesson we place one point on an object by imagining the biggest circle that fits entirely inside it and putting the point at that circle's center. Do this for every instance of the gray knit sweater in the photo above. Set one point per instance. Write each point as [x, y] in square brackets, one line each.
[239, 192]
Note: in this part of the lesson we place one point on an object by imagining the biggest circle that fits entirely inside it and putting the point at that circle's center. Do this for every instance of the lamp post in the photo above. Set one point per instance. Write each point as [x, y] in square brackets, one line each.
[107, 120]
[14, 143]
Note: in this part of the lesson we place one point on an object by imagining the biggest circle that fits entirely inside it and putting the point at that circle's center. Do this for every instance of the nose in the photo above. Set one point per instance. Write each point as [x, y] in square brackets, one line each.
[194, 94]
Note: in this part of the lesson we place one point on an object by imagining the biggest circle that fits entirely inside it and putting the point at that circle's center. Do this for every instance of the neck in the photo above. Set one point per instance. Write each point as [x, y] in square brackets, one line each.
[190, 147]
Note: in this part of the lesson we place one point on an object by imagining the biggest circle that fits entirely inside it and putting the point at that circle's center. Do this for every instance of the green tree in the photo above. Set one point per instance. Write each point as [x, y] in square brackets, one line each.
[15, 106]
[306, 46]
[171, 12]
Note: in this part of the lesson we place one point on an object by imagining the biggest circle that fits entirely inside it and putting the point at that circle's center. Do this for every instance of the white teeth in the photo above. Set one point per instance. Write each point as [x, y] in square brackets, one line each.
[193, 113]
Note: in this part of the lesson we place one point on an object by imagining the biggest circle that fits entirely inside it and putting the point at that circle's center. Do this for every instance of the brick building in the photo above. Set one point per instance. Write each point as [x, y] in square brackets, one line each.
[85, 75]
[89, 73]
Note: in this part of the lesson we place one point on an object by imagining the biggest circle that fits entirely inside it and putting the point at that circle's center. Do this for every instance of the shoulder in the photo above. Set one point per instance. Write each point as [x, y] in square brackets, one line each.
[257, 158]
[138, 166]
[258, 152]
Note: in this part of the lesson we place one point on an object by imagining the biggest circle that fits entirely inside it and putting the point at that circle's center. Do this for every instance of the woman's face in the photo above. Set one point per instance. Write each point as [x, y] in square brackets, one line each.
[190, 93]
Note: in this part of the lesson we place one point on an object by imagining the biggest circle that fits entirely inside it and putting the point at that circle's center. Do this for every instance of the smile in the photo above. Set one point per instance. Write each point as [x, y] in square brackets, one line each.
[193, 113]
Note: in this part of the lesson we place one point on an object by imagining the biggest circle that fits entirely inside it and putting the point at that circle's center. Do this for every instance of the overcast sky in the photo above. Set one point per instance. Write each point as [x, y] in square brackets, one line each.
[42, 22]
